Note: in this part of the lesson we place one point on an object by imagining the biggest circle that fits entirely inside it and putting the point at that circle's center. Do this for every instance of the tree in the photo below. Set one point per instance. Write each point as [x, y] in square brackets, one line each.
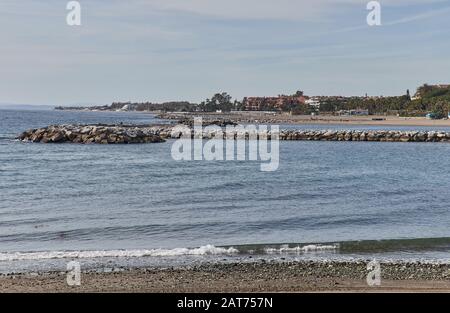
[298, 94]
[239, 105]
[220, 101]
[440, 109]
[423, 90]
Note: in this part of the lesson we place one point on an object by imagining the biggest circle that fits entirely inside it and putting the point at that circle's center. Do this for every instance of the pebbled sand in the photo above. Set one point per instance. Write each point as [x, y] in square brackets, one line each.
[249, 277]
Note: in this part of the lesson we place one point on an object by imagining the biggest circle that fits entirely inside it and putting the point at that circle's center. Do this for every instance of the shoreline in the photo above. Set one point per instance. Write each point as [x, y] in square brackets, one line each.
[274, 118]
[298, 276]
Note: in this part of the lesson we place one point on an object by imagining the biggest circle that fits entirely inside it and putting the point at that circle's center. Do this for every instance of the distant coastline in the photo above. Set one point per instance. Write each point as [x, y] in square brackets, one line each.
[20, 107]
[431, 101]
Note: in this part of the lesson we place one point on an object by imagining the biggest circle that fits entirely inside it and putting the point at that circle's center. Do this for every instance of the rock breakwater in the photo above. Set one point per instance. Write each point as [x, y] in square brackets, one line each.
[331, 135]
[359, 135]
[86, 134]
[123, 134]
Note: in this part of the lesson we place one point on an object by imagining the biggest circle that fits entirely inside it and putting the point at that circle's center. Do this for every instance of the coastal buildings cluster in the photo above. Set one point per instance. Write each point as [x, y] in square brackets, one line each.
[281, 102]
[428, 100]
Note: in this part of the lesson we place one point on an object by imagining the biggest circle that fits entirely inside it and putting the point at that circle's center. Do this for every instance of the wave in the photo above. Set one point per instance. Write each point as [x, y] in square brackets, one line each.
[362, 247]
[352, 246]
[396, 245]
[301, 249]
[8, 135]
[200, 251]
[204, 250]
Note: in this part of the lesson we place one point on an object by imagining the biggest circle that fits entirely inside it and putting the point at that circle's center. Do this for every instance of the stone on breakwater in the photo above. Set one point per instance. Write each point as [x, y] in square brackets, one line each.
[99, 134]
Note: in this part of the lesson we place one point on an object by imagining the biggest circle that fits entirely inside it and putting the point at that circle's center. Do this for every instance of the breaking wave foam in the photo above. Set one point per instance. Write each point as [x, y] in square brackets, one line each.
[204, 250]
[301, 249]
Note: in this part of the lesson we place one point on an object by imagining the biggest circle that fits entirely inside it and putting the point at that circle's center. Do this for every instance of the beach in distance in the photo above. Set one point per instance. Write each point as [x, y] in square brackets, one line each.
[276, 118]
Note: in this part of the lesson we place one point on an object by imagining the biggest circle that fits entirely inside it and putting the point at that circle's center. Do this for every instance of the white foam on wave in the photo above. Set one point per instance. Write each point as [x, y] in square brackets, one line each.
[204, 250]
[301, 249]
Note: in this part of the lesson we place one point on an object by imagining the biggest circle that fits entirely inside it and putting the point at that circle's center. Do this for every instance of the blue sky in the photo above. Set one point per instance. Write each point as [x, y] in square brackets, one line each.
[161, 50]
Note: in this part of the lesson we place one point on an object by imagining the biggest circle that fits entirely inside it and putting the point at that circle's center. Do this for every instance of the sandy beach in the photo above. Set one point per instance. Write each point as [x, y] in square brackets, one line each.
[274, 118]
[303, 276]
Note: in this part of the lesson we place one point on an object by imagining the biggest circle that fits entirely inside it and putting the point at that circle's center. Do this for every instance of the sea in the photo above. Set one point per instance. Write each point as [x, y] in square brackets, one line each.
[112, 207]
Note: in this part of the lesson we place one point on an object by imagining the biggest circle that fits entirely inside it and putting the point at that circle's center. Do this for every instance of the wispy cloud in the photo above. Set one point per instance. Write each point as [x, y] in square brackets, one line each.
[268, 9]
[418, 17]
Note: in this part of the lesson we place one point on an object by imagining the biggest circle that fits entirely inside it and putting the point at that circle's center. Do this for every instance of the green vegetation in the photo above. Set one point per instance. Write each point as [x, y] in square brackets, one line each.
[435, 100]
[220, 101]
[429, 99]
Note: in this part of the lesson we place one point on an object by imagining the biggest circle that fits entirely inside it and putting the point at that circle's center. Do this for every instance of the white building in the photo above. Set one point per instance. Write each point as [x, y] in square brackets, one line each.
[313, 102]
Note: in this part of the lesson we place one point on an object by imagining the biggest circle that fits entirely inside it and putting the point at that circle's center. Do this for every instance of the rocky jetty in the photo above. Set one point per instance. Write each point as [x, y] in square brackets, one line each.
[122, 134]
[86, 134]
[359, 135]
[332, 135]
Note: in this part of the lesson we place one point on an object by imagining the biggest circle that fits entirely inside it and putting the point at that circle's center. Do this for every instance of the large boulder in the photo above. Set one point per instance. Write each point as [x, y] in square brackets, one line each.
[58, 137]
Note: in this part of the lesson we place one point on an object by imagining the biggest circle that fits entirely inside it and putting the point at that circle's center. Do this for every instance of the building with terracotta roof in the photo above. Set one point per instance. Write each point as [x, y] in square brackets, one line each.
[280, 103]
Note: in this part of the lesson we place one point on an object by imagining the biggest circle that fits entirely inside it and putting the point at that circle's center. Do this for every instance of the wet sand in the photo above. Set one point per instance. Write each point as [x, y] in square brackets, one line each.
[244, 277]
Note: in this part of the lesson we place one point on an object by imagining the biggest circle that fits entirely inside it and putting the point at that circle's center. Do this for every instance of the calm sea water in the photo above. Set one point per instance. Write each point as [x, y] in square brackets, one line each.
[327, 199]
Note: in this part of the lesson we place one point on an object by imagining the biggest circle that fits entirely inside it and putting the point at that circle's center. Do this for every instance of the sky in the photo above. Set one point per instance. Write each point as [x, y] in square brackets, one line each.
[164, 50]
